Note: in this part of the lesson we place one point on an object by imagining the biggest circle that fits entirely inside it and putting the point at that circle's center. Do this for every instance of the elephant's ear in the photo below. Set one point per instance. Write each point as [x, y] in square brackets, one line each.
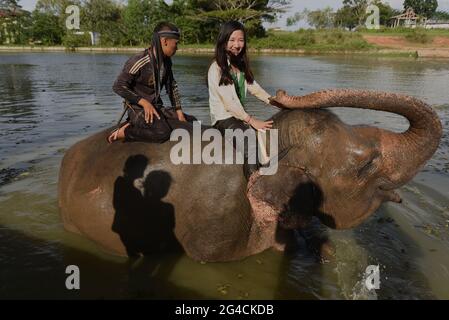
[289, 195]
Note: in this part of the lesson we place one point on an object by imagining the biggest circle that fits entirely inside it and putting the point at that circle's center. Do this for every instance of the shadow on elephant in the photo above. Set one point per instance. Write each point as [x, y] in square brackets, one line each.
[144, 222]
[145, 225]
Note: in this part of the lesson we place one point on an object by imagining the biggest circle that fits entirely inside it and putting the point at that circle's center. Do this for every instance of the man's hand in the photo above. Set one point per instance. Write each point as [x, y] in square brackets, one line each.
[149, 110]
[181, 116]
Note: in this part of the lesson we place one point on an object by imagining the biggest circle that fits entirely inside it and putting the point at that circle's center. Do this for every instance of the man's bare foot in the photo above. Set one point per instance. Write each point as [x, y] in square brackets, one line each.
[118, 134]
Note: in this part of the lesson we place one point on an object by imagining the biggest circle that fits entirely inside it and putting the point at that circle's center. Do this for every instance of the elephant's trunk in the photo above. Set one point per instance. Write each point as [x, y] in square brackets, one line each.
[403, 153]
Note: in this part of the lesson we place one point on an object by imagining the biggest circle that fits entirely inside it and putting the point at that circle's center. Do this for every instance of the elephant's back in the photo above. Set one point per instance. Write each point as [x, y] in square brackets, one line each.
[206, 199]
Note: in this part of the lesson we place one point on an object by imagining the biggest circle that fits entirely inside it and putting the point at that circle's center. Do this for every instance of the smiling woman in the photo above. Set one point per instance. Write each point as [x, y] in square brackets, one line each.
[229, 78]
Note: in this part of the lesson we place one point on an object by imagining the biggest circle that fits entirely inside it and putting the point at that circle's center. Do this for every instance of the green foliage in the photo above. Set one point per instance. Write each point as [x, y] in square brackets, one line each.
[136, 20]
[288, 40]
[334, 37]
[103, 16]
[72, 40]
[353, 13]
[346, 18]
[242, 10]
[292, 20]
[183, 14]
[321, 19]
[441, 15]
[426, 8]
[386, 12]
[403, 31]
[308, 39]
[343, 39]
[419, 36]
[55, 7]
[211, 14]
[132, 22]
[141, 16]
[49, 21]
[46, 28]
[15, 30]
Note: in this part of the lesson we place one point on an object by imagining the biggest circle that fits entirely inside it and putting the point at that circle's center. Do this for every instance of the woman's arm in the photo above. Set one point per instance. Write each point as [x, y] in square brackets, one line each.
[256, 90]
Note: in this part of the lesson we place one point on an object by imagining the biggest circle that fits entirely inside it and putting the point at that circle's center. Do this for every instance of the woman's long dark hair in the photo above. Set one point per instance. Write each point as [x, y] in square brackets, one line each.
[221, 56]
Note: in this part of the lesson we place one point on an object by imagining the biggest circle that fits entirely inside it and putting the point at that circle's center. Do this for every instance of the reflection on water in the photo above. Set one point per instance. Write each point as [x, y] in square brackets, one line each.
[50, 101]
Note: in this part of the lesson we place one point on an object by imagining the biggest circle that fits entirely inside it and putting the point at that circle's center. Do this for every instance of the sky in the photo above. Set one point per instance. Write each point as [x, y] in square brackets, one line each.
[296, 5]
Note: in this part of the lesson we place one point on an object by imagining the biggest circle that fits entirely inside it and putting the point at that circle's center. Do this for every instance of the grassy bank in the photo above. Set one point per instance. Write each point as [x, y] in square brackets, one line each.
[398, 42]
[384, 42]
[312, 40]
[417, 36]
[405, 31]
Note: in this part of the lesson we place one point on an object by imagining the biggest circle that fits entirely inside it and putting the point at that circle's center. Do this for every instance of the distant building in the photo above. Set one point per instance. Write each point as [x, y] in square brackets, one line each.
[8, 22]
[10, 11]
[408, 19]
[437, 24]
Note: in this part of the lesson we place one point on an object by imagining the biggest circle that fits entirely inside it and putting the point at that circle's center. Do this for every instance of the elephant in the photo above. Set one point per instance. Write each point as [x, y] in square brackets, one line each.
[124, 195]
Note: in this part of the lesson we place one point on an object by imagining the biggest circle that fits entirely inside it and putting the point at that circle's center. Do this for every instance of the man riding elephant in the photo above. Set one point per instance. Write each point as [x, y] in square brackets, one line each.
[140, 84]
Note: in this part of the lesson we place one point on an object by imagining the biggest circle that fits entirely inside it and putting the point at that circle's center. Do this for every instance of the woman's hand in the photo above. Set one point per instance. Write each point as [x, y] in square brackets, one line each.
[149, 110]
[260, 125]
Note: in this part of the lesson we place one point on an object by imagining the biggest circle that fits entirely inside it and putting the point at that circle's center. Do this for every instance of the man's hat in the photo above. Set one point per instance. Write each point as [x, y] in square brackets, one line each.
[169, 34]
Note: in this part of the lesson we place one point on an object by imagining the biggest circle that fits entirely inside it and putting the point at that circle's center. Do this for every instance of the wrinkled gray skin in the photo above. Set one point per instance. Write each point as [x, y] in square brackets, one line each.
[328, 169]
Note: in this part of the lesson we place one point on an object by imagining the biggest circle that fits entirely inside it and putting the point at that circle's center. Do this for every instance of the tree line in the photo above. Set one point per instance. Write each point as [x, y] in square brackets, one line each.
[353, 14]
[131, 23]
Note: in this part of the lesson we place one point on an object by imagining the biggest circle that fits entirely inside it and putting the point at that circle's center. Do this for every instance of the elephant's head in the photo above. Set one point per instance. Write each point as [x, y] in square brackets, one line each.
[338, 172]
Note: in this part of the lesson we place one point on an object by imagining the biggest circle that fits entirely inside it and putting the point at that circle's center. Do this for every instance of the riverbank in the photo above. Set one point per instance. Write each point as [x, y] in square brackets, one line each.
[402, 43]
[435, 47]
[409, 51]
